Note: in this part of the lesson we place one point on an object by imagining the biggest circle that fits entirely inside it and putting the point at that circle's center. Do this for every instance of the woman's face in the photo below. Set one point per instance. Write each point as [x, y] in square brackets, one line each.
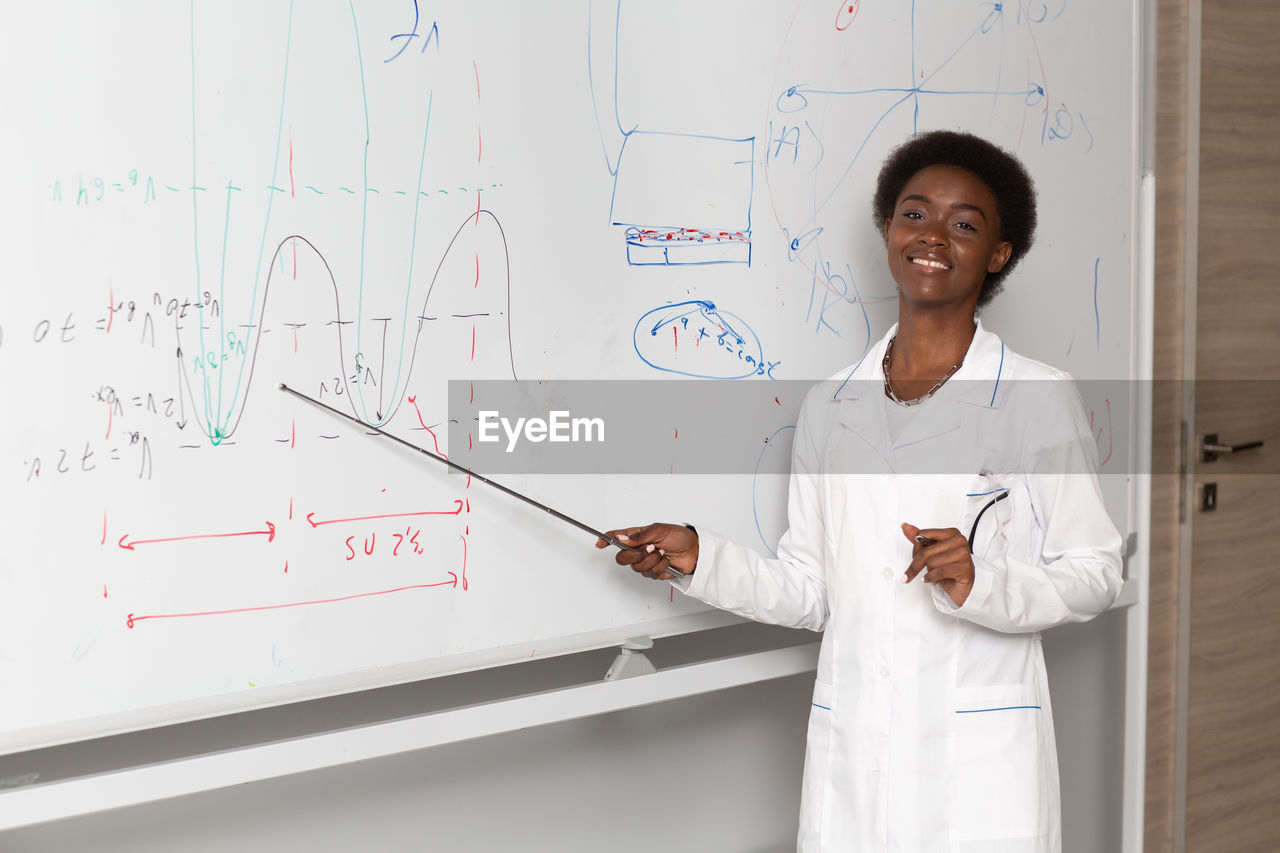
[944, 237]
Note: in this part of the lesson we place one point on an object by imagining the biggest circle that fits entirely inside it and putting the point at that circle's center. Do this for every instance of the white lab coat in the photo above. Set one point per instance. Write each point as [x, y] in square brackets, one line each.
[931, 728]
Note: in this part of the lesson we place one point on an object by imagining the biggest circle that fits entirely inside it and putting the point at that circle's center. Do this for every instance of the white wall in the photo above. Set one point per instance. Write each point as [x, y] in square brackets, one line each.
[1087, 686]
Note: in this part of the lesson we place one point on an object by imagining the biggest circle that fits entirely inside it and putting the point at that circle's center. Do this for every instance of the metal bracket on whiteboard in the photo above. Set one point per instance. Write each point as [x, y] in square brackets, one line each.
[631, 660]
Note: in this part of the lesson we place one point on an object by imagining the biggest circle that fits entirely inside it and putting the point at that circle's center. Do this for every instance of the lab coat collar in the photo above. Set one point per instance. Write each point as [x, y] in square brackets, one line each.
[976, 383]
[979, 378]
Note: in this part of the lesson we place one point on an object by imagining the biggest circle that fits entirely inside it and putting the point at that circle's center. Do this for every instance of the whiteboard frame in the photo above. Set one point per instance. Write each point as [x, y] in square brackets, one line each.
[187, 711]
[156, 783]
[150, 783]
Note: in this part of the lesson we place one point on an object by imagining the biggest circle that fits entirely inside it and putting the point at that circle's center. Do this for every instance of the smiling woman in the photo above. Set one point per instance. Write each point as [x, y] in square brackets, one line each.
[1000, 179]
[942, 241]
[957, 214]
[941, 685]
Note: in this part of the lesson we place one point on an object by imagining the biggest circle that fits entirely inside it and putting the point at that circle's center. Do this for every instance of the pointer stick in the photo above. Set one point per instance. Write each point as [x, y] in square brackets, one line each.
[463, 470]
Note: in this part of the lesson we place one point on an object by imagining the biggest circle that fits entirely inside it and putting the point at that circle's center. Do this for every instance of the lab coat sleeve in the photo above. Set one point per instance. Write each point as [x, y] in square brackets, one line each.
[1073, 571]
[791, 588]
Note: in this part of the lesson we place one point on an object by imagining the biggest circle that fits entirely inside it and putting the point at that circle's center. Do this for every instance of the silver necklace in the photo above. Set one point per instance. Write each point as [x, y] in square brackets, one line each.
[888, 389]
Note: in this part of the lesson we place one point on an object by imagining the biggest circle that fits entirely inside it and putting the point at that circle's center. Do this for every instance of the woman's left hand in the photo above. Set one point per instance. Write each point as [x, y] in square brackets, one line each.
[947, 562]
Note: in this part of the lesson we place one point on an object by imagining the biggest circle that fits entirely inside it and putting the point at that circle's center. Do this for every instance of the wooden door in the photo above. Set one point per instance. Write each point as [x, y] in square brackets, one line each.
[1233, 729]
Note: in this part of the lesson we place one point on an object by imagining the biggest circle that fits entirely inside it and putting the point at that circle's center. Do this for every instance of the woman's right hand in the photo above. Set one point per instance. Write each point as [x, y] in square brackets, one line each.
[656, 548]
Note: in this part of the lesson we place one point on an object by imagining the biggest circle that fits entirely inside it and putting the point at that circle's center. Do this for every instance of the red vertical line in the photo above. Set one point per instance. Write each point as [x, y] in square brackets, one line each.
[292, 193]
[104, 590]
[286, 567]
[473, 392]
[477, 284]
[295, 338]
[110, 415]
[111, 306]
[291, 508]
[479, 144]
[473, 341]
[104, 529]
[293, 441]
[477, 222]
[675, 338]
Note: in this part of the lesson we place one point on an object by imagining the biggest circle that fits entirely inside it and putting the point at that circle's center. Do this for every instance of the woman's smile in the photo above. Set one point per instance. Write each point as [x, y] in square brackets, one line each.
[929, 262]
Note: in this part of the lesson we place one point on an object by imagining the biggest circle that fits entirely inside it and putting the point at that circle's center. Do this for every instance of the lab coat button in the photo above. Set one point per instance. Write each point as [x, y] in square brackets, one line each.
[883, 672]
[888, 573]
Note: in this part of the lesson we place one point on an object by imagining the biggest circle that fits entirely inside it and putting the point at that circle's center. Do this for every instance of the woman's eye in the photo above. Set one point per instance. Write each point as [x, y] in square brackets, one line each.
[913, 214]
[966, 226]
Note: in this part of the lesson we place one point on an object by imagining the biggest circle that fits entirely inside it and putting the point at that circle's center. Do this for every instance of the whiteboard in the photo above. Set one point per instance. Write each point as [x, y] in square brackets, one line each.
[370, 200]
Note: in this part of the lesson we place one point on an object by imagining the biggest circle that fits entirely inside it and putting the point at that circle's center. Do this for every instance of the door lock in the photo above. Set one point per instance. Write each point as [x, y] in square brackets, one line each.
[1208, 497]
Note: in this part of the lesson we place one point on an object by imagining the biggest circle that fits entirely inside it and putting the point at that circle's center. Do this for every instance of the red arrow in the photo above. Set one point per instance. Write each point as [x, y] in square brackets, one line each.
[133, 618]
[457, 510]
[270, 533]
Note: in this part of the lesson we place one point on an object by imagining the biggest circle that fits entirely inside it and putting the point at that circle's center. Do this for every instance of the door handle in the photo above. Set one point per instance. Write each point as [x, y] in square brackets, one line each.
[1211, 449]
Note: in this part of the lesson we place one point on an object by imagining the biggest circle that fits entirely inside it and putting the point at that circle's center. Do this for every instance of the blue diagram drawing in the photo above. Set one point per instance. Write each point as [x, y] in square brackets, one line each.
[837, 109]
[695, 338]
[774, 460]
[681, 196]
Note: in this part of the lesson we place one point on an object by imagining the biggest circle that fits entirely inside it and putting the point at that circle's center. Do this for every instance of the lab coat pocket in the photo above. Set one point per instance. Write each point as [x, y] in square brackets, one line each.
[988, 509]
[1001, 787]
[817, 757]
